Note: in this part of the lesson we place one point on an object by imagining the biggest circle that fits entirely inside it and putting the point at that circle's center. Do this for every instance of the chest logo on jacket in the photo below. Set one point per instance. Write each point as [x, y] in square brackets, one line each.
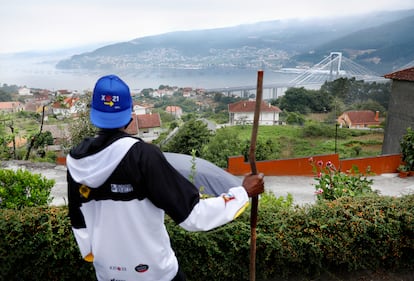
[121, 188]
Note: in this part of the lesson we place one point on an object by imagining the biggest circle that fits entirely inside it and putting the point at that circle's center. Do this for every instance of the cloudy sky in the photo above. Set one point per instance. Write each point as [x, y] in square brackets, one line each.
[52, 24]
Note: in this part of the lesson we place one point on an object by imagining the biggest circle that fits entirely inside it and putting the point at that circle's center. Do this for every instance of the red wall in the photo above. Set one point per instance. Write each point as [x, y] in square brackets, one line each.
[302, 167]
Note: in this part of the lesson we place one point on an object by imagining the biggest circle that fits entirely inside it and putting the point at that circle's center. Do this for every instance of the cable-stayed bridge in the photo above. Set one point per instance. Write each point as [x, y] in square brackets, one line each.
[330, 68]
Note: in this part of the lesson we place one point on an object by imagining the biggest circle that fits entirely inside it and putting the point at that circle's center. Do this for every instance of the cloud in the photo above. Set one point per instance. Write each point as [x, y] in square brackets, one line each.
[49, 24]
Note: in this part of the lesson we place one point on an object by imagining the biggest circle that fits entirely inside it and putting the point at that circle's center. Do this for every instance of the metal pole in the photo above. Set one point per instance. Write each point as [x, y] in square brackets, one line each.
[336, 138]
[252, 160]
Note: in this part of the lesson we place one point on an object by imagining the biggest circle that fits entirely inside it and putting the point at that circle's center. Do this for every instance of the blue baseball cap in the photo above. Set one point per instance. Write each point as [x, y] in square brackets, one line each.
[111, 106]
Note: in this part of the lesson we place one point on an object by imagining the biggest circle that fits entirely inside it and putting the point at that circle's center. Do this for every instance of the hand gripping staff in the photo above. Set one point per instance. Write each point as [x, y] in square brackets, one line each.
[252, 160]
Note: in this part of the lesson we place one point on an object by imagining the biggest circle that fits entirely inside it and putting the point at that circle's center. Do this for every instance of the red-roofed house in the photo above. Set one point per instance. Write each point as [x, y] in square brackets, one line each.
[400, 109]
[242, 112]
[174, 110]
[359, 119]
[11, 106]
[66, 107]
[145, 126]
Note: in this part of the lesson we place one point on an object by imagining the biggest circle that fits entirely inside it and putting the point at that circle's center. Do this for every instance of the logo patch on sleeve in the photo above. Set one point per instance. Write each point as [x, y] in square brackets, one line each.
[228, 197]
[141, 268]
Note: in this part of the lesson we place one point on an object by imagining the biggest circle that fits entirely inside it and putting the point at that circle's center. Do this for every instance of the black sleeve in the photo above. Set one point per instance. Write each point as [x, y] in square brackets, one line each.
[165, 187]
[74, 201]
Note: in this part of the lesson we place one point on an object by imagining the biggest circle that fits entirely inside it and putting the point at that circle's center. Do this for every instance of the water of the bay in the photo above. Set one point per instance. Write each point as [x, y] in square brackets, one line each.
[38, 74]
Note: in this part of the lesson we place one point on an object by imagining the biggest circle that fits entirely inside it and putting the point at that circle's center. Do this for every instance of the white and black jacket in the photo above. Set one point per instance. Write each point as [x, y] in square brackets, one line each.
[119, 189]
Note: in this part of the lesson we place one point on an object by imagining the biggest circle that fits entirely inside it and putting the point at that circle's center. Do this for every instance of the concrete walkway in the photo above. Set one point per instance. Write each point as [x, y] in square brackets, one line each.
[301, 188]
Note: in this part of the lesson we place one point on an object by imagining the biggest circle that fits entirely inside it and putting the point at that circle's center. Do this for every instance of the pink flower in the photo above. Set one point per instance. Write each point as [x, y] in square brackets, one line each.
[320, 163]
[319, 175]
[310, 159]
[330, 165]
[319, 191]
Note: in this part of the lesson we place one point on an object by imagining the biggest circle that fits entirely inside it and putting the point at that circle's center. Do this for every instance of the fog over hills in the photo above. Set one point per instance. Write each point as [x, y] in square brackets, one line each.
[381, 42]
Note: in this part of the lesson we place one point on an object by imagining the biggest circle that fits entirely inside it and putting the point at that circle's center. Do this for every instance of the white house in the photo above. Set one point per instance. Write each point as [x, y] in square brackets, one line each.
[242, 112]
[139, 109]
[66, 108]
[24, 91]
[145, 126]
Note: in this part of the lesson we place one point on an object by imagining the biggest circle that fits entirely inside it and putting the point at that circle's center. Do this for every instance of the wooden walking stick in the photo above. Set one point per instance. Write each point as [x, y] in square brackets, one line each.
[252, 160]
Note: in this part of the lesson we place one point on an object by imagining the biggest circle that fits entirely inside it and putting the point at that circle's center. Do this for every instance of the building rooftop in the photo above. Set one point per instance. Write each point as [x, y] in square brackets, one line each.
[403, 75]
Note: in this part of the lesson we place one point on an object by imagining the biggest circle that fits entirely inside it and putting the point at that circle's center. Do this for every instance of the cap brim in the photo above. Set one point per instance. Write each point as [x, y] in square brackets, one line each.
[112, 120]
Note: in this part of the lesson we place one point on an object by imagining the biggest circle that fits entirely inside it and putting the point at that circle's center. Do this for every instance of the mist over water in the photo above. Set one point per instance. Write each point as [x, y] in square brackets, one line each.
[44, 75]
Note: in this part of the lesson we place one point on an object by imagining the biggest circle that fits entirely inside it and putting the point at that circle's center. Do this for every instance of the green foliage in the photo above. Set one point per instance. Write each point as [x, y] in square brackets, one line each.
[265, 149]
[333, 184]
[192, 135]
[407, 149]
[43, 139]
[223, 144]
[313, 129]
[81, 127]
[350, 90]
[295, 141]
[303, 241]
[296, 100]
[357, 149]
[9, 89]
[21, 188]
[348, 234]
[28, 114]
[37, 244]
[294, 118]
[4, 96]
[305, 101]
[369, 105]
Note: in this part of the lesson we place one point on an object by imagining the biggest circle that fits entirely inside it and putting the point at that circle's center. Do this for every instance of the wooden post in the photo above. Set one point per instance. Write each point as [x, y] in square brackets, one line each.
[252, 160]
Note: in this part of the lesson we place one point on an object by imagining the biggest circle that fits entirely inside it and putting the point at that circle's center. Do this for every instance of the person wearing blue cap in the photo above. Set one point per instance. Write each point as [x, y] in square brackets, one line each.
[120, 188]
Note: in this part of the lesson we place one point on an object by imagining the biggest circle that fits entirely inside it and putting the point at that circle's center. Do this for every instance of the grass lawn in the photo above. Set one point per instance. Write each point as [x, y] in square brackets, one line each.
[303, 141]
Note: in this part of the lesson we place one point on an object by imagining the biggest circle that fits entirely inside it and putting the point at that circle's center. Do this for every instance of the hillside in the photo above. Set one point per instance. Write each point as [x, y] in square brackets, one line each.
[380, 41]
[382, 48]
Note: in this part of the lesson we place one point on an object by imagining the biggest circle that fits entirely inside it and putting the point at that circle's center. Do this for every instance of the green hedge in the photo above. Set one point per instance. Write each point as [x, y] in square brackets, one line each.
[348, 234]
[21, 188]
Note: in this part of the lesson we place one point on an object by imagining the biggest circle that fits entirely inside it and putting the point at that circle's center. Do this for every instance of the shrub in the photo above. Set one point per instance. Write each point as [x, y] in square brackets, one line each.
[20, 189]
[333, 184]
[407, 149]
[344, 235]
[37, 244]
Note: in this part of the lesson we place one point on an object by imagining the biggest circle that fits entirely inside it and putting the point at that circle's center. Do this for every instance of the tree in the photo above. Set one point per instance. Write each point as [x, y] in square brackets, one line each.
[265, 150]
[82, 126]
[350, 90]
[338, 88]
[320, 101]
[294, 118]
[222, 145]
[369, 105]
[296, 100]
[4, 96]
[192, 135]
